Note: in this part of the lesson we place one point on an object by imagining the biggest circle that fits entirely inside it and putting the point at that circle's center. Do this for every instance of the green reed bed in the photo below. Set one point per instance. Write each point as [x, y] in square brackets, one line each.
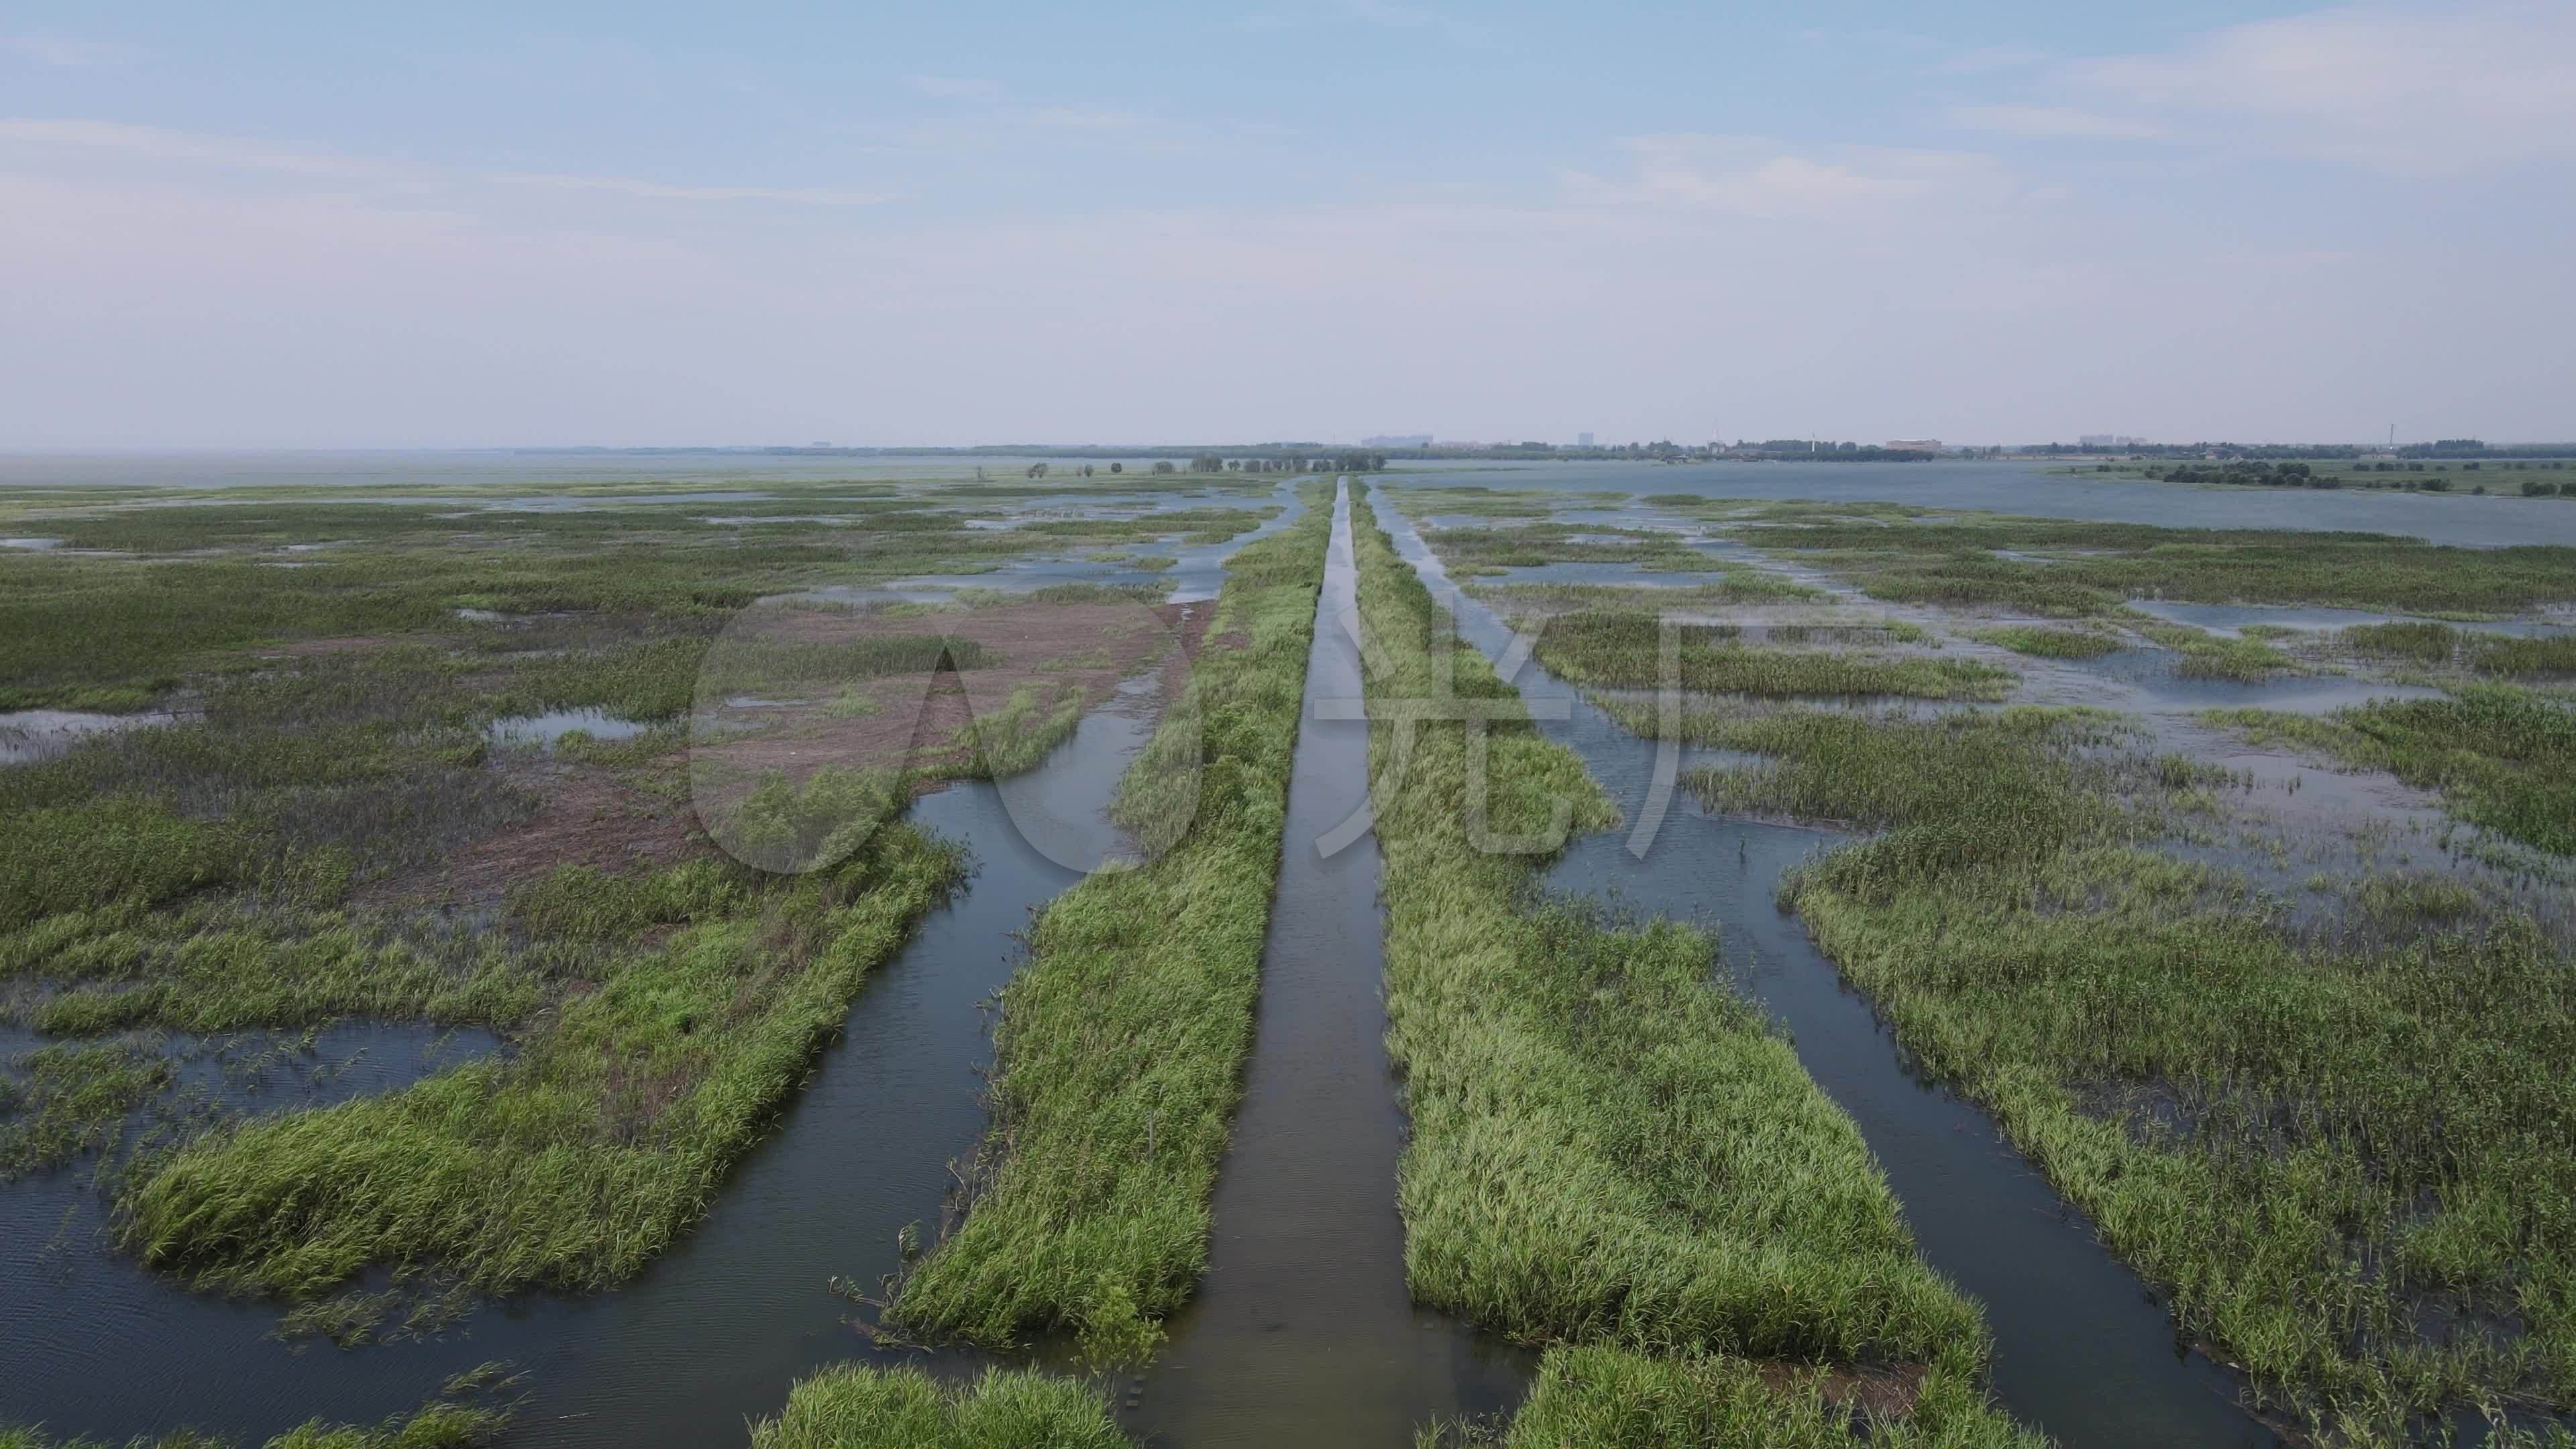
[2212, 656]
[1620, 648]
[2502, 755]
[1426, 500]
[2505, 657]
[191, 588]
[2042, 642]
[2339, 1152]
[1742, 584]
[1608, 1148]
[1600, 1397]
[437, 1425]
[1192, 525]
[1471, 551]
[574, 1162]
[1121, 1040]
[71, 1099]
[2479, 652]
[2092, 568]
[853, 1406]
[2408, 641]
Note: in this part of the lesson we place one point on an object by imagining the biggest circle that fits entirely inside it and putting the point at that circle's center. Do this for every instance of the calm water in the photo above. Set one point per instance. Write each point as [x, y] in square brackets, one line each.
[2082, 1348]
[713, 1333]
[2030, 488]
[1302, 1332]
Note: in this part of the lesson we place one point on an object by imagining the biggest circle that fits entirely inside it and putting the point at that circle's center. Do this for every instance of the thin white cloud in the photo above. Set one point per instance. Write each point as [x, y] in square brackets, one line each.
[235, 153]
[2065, 122]
[1980, 59]
[665, 191]
[54, 50]
[1394, 15]
[1764, 179]
[956, 88]
[2431, 91]
[159, 143]
[1086, 118]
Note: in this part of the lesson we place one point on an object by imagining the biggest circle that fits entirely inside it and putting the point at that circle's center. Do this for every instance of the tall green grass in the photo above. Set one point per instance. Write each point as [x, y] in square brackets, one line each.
[1121, 1042]
[1619, 647]
[2095, 566]
[2047, 643]
[433, 1426]
[1600, 1397]
[1607, 1147]
[853, 1406]
[579, 1159]
[2334, 1152]
[2211, 656]
[1474, 550]
[2504, 756]
[72, 1099]
[2433, 645]
[1741, 584]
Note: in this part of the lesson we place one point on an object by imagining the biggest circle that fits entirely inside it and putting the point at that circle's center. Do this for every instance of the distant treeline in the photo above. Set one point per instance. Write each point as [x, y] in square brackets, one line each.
[2266, 473]
[1811, 450]
[2332, 452]
[1211, 463]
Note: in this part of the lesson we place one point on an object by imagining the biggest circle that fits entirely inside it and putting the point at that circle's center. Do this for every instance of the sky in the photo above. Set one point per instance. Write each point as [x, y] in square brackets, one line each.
[326, 225]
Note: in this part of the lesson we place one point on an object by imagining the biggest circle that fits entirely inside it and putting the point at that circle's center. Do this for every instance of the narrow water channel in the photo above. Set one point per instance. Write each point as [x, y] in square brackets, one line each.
[2083, 1348]
[1302, 1333]
[712, 1334]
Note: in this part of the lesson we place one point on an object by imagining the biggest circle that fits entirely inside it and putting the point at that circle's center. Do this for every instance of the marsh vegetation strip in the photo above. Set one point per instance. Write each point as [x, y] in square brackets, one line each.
[2223, 1094]
[1619, 648]
[333, 833]
[580, 1159]
[2505, 757]
[454, 1425]
[2015, 488]
[2081, 1349]
[1303, 1332]
[854, 1407]
[1609, 1148]
[1121, 1042]
[2327, 1152]
[2070, 569]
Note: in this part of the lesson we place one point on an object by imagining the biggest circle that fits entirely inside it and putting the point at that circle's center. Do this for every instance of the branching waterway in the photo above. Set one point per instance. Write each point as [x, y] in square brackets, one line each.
[1302, 1332]
[2082, 1348]
[712, 1334]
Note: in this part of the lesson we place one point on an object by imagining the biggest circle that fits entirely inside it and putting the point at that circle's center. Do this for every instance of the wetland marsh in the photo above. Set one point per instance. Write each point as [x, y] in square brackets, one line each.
[1621, 955]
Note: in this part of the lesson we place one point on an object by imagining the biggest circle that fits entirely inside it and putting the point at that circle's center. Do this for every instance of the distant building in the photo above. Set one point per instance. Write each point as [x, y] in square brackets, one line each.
[1583, 440]
[1913, 445]
[1397, 440]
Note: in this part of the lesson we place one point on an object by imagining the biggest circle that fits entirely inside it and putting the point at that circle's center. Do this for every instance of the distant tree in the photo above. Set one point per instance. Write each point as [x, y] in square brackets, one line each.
[1037, 470]
[1164, 465]
[1117, 467]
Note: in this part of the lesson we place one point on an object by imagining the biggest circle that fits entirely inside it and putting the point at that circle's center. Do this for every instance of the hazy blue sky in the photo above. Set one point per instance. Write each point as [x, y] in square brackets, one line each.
[326, 225]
